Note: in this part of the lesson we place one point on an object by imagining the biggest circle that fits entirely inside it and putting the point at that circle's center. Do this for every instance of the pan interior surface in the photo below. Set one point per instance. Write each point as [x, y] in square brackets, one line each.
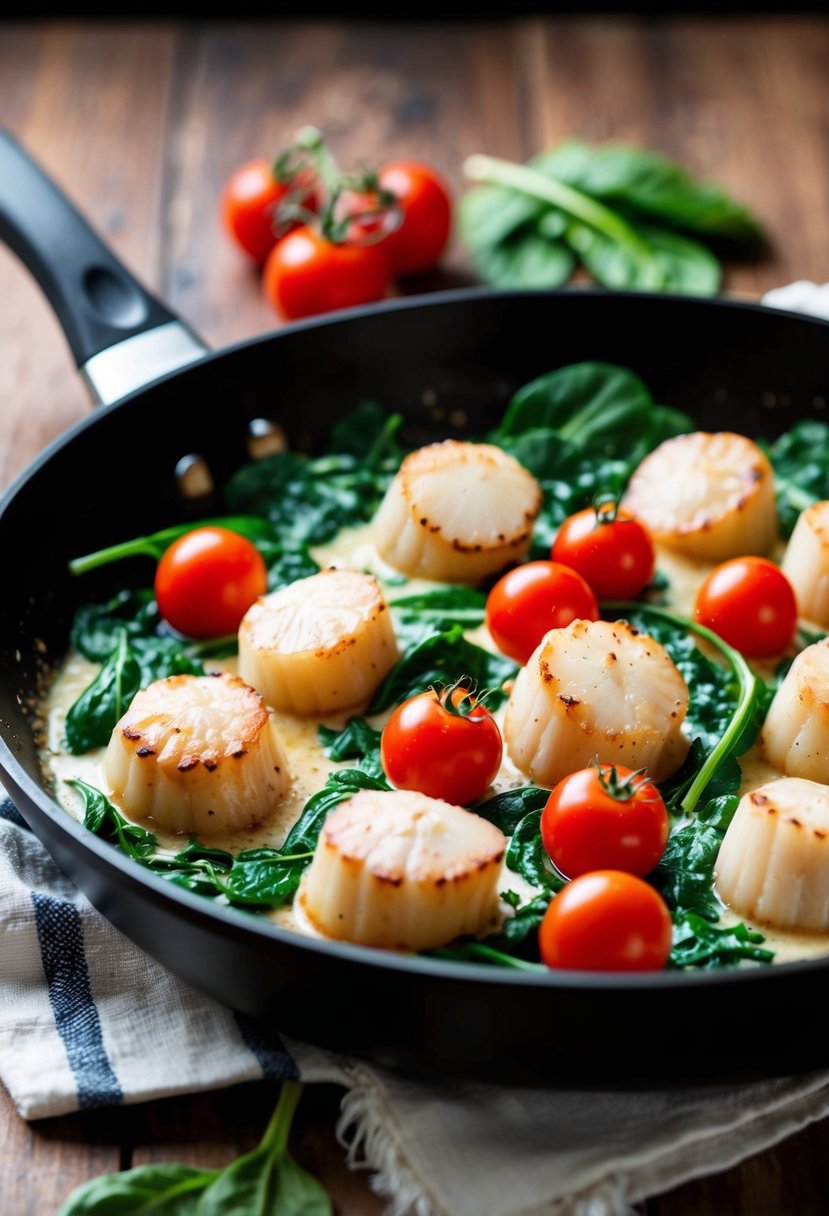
[449, 363]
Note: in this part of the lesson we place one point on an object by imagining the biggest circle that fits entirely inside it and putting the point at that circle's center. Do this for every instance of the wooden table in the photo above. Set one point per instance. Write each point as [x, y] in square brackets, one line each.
[141, 122]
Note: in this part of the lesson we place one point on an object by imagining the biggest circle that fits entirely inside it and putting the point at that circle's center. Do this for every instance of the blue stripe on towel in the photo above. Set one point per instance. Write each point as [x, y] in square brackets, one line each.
[76, 1016]
[261, 1039]
[10, 812]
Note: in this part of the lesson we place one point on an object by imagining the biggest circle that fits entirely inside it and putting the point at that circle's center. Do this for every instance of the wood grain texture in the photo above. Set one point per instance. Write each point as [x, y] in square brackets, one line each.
[141, 122]
[40, 1164]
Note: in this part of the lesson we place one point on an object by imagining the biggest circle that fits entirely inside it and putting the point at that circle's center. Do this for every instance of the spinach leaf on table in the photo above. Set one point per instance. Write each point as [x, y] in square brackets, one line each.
[647, 183]
[632, 217]
[264, 1182]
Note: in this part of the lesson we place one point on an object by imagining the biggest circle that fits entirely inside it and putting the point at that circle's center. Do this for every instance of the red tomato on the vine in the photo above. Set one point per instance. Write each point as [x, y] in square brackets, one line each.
[606, 921]
[444, 745]
[750, 604]
[605, 817]
[531, 599]
[426, 216]
[306, 274]
[250, 203]
[206, 581]
[610, 549]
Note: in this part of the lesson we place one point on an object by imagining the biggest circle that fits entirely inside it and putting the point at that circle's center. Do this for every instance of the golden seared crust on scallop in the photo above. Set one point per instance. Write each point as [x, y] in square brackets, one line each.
[773, 864]
[597, 689]
[321, 644]
[457, 512]
[197, 754]
[707, 496]
[400, 870]
[806, 563]
[795, 734]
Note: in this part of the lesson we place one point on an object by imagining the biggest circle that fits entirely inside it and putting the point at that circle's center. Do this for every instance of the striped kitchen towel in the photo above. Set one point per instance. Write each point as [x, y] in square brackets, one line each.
[88, 1020]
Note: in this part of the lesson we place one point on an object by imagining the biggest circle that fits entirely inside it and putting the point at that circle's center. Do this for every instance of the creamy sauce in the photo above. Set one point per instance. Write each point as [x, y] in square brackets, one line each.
[354, 548]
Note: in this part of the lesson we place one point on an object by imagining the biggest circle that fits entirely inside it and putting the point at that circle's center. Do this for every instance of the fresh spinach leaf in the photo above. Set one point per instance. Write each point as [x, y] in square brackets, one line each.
[97, 628]
[800, 459]
[265, 1182]
[630, 216]
[358, 740]
[527, 856]
[698, 943]
[155, 544]
[647, 183]
[134, 663]
[417, 616]
[161, 1188]
[508, 808]
[442, 659]
[685, 266]
[106, 821]
[370, 434]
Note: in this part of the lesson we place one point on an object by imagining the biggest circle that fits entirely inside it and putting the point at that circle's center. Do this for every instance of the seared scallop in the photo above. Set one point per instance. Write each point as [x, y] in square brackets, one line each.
[597, 690]
[321, 644]
[197, 754]
[796, 731]
[773, 864]
[707, 496]
[806, 563]
[400, 870]
[457, 512]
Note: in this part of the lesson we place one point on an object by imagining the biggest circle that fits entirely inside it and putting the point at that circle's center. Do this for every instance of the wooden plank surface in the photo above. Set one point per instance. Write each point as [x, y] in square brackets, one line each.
[142, 121]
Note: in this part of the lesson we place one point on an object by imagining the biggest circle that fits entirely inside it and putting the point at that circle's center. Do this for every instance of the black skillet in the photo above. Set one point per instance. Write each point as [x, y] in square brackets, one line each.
[112, 475]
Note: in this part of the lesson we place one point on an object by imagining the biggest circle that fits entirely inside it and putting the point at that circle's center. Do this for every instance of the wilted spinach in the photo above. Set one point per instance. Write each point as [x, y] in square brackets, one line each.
[442, 659]
[581, 430]
[253, 879]
[133, 664]
[800, 459]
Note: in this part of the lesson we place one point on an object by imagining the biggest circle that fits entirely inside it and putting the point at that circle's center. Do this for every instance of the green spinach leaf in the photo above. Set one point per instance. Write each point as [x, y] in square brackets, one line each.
[800, 459]
[441, 659]
[133, 664]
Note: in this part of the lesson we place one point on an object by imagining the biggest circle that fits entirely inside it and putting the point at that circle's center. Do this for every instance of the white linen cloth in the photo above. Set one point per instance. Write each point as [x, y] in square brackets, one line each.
[87, 1019]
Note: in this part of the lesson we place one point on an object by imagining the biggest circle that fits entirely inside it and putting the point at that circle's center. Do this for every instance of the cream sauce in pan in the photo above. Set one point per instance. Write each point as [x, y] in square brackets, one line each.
[309, 765]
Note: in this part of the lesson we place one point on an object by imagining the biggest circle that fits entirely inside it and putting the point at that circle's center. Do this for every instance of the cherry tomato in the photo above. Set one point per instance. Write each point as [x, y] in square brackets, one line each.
[449, 751]
[529, 600]
[750, 604]
[606, 921]
[249, 205]
[609, 548]
[207, 580]
[306, 274]
[426, 204]
[605, 817]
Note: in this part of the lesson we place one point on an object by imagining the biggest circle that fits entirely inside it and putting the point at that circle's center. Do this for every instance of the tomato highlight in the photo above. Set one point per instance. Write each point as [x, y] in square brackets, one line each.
[606, 920]
[605, 817]
[529, 600]
[446, 745]
[610, 549]
[750, 604]
[250, 206]
[306, 274]
[206, 581]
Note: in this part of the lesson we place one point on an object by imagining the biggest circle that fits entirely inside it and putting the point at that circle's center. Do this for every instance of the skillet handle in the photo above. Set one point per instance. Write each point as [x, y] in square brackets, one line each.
[121, 336]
